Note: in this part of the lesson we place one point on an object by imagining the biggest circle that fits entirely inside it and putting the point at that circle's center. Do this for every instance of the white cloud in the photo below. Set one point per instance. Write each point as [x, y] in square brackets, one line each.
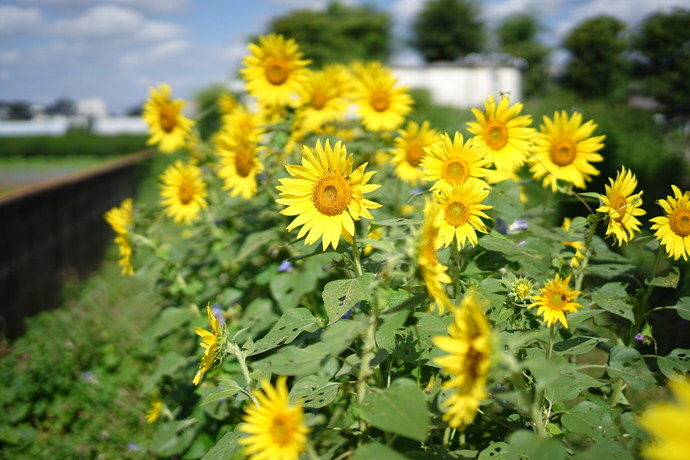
[157, 6]
[16, 20]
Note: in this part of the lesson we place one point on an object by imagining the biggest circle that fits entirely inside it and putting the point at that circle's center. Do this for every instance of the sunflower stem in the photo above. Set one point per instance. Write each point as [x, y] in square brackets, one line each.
[367, 354]
[355, 258]
[616, 394]
[643, 304]
[235, 349]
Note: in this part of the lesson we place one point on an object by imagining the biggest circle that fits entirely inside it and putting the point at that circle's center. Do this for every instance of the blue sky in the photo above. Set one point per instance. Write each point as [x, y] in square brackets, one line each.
[117, 49]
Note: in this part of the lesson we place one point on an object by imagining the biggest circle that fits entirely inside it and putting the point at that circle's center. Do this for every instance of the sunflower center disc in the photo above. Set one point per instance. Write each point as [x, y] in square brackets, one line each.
[455, 172]
[243, 162]
[281, 430]
[414, 155]
[679, 220]
[563, 153]
[557, 300]
[619, 203]
[496, 135]
[331, 194]
[277, 72]
[318, 101]
[456, 214]
[168, 118]
[380, 101]
[186, 192]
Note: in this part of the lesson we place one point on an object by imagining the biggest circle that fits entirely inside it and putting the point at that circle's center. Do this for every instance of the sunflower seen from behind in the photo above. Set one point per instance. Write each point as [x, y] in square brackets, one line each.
[556, 299]
[462, 213]
[468, 362]
[452, 162]
[673, 228]
[502, 133]
[120, 219]
[381, 102]
[667, 423]
[275, 427]
[325, 195]
[167, 126]
[410, 145]
[622, 206]
[564, 150]
[433, 271]
[274, 71]
[183, 191]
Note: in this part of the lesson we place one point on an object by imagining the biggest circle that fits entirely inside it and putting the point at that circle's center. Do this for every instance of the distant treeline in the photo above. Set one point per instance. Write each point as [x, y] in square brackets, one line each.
[74, 143]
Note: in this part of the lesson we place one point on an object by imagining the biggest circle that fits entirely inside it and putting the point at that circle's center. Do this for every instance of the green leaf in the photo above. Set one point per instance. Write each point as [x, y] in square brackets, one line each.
[592, 420]
[225, 448]
[295, 361]
[683, 307]
[525, 444]
[675, 364]
[502, 245]
[569, 386]
[374, 450]
[172, 438]
[341, 295]
[170, 319]
[429, 326]
[385, 333]
[257, 317]
[669, 280]
[577, 345]
[399, 409]
[230, 389]
[608, 271]
[168, 364]
[628, 364]
[604, 449]
[397, 222]
[612, 298]
[314, 391]
[256, 240]
[495, 451]
[337, 337]
[289, 326]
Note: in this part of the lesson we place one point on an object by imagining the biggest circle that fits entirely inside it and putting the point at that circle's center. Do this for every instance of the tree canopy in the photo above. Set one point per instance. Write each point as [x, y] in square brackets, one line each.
[445, 30]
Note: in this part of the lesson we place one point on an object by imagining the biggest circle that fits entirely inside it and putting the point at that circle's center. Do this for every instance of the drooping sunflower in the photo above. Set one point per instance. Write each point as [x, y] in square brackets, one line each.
[275, 70]
[381, 102]
[667, 423]
[433, 271]
[326, 195]
[276, 428]
[555, 300]
[502, 133]
[120, 219]
[324, 97]
[462, 213]
[578, 245]
[167, 126]
[622, 206]
[183, 191]
[468, 362]
[453, 162]
[410, 148]
[564, 149]
[673, 229]
[214, 343]
[239, 163]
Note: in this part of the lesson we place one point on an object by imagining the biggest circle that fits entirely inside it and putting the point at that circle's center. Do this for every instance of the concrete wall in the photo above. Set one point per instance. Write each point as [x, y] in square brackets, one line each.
[461, 86]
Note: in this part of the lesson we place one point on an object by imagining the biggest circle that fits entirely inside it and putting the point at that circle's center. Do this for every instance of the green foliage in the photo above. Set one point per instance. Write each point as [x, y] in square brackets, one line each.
[663, 66]
[74, 143]
[445, 30]
[597, 67]
[340, 33]
[210, 120]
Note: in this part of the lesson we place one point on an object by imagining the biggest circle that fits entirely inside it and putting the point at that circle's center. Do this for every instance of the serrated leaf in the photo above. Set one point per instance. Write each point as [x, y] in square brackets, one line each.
[577, 345]
[225, 448]
[391, 323]
[608, 271]
[628, 364]
[669, 280]
[611, 297]
[683, 307]
[295, 361]
[229, 389]
[399, 409]
[525, 444]
[314, 391]
[675, 364]
[340, 296]
[291, 324]
[337, 337]
[502, 245]
[429, 326]
[592, 420]
[374, 450]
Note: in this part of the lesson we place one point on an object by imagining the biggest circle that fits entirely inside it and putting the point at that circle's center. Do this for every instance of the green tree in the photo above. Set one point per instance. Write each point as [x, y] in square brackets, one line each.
[445, 30]
[662, 44]
[518, 37]
[341, 33]
[597, 66]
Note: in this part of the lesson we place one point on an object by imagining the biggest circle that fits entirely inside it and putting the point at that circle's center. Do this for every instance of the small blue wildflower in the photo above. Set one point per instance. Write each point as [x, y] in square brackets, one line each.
[217, 310]
[517, 226]
[132, 447]
[639, 337]
[285, 266]
[501, 226]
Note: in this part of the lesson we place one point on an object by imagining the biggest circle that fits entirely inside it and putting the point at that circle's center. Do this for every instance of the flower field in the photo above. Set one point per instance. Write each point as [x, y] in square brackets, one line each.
[339, 281]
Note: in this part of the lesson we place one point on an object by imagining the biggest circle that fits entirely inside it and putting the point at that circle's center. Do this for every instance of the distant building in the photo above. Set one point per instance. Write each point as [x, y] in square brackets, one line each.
[467, 83]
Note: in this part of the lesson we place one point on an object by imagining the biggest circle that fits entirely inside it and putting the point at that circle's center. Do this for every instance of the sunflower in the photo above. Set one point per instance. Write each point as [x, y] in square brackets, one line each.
[324, 97]
[326, 195]
[167, 126]
[555, 299]
[410, 148]
[673, 229]
[275, 427]
[667, 423]
[621, 206]
[275, 70]
[214, 343]
[502, 133]
[450, 163]
[120, 219]
[154, 413]
[469, 361]
[183, 191]
[462, 213]
[239, 164]
[433, 271]
[227, 103]
[564, 150]
[579, 246]
[242, 123]
[381, 104]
